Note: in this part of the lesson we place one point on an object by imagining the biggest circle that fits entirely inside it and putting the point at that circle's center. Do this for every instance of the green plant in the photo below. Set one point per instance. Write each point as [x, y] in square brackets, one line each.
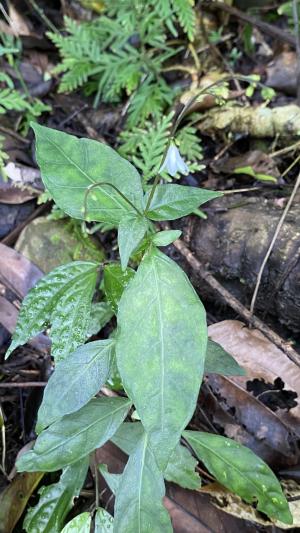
[159, 350]
[145, 146]
[124, 51]
[12, 99]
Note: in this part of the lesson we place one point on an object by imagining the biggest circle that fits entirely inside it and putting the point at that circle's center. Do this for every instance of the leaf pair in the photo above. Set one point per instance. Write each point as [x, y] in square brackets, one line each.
[181, 466]
[234, 466]
[82, 523]
[90, 181]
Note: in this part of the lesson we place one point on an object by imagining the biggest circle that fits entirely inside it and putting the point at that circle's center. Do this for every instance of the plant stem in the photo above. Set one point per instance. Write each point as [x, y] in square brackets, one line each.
[182, 114]
[96, 481]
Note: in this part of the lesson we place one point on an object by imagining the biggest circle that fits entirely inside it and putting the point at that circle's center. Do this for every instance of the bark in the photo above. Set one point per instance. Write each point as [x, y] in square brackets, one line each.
[232, 244]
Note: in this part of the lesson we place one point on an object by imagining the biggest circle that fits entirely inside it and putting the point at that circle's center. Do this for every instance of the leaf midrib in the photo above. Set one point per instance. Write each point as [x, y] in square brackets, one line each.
[230, 465]
[84, 429]
[162, 349]
[70, 160]
[100, 352]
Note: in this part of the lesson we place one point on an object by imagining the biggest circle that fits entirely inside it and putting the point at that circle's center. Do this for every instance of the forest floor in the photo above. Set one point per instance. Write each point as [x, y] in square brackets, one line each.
[241, 251]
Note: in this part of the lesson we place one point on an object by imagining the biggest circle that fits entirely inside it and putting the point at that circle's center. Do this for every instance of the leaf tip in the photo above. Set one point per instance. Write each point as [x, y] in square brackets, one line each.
[12, 347]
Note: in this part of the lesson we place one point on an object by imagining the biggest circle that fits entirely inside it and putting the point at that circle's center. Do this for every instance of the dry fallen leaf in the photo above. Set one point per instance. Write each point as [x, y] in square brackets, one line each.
[262, 360]
[14, 498]
[270, 431]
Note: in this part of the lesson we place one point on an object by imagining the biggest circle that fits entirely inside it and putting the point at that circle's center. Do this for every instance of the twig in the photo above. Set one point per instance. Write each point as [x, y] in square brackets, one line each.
[183, 68]
[43, 16]
[96, 480]
[279, 226]
[234, 302]
[14, 134]
[285, 150]
[290, 167]
[270, 29]
[236, 191]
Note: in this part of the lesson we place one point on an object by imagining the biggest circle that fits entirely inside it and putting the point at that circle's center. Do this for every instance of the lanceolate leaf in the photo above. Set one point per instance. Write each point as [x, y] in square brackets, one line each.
[181, 465]
[56, 500]
[63, 299]
[115, 281]
[241, 471]
[70, 165]
[76, 435]
[130, 233]
[104, 522]
[80, 523]
[175, 201]
[75, 381]
[218, 361]
[162, 337]
[139, 506]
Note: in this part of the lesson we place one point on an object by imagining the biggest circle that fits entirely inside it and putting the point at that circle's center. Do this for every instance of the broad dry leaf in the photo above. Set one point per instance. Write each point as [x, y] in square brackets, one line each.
[261, 359]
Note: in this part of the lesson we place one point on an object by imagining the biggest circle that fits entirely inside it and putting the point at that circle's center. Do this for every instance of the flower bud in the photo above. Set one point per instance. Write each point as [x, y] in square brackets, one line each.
[173, 162]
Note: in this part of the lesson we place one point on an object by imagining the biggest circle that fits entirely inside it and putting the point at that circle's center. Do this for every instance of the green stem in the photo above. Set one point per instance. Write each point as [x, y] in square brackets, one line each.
[100, 184]
[182, 114]
[157, 177]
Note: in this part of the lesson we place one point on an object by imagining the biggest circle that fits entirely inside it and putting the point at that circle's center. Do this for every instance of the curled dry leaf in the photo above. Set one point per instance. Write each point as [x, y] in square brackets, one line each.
[258, 161]
[19, 23]
[261, 359]
[24, 183]
[282, 73]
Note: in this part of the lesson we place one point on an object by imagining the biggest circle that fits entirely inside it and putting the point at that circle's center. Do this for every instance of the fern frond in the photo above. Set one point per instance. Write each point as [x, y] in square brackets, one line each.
[12, 100]
[77, 74]
[186, 15]
[190, 144]
[150, 100]
[120, 70]
[145, 147]
[6, 79]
